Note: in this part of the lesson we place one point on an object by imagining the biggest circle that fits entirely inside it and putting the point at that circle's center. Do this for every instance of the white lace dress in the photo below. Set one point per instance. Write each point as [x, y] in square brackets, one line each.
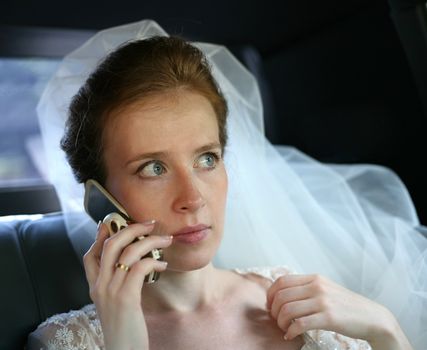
[81, 329]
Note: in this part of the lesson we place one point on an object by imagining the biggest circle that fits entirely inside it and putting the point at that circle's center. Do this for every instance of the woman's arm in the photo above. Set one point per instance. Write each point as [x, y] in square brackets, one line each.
[300, 303]
[115, 291]
[389, 335]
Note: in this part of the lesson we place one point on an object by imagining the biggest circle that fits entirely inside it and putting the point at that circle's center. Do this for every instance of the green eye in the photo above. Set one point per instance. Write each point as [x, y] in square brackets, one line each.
[152, 168]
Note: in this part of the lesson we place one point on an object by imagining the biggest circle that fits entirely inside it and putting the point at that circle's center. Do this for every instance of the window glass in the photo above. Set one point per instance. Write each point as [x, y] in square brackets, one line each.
[21, 85]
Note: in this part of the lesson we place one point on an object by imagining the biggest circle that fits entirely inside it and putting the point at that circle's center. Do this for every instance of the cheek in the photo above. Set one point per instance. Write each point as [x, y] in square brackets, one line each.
[153, 200]
[146, 202]
[219, 192]
[224, 187]
[141, 201]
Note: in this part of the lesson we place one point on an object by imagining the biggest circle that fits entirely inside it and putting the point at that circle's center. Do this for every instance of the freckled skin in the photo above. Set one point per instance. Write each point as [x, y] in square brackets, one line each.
[185, 194]
[227, 309]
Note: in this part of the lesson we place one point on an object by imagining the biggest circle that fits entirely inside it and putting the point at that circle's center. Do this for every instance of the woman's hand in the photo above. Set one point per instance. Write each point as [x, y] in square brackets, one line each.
[116, 292]
[306, 302]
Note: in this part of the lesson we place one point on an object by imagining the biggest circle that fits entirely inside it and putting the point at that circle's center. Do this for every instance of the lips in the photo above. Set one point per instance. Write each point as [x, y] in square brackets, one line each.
[191, 229]
[191, 234]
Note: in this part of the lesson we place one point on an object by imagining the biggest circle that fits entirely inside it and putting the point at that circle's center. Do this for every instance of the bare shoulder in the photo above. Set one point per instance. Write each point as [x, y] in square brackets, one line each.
[259, 281]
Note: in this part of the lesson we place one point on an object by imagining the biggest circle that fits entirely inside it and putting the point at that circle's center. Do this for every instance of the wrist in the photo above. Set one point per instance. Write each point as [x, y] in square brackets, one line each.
[388, 335]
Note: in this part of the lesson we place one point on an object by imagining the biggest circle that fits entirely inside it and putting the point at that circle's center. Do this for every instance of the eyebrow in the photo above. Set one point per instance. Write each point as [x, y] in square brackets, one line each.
[201, 149]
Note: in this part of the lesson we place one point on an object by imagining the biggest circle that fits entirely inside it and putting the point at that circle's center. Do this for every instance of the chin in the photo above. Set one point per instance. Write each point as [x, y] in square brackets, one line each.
[190, 258]
[186, 264]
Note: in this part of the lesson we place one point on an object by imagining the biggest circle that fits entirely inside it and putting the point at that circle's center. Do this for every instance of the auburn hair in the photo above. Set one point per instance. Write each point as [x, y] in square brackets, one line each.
[135, 71]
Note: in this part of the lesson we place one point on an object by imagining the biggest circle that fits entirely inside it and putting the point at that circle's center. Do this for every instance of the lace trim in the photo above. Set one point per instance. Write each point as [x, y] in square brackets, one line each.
[334, 341]
[75, 330]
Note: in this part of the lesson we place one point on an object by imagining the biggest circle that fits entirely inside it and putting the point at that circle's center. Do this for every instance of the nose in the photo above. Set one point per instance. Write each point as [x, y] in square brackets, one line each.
[189, 198]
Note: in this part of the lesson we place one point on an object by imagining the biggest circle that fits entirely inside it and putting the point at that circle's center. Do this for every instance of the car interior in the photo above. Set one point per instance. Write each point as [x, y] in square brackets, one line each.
[344, 82]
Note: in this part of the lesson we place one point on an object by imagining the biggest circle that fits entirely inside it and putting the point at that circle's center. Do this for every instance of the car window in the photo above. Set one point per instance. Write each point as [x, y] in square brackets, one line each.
[21, 153]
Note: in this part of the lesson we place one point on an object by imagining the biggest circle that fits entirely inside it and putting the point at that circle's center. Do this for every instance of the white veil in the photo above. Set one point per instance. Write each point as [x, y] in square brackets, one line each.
[354, 224]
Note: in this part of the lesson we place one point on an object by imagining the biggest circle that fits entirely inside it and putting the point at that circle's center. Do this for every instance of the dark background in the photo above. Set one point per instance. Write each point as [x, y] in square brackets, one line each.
[336, 80]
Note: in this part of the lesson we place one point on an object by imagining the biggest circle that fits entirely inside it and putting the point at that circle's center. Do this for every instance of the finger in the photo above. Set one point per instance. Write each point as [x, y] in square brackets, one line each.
[135, 252]
[135, 276]
[288, 295]
[290, 312]
[100, 238]
[92, 257]
[304, 324]
[113, 247]
[286, 281]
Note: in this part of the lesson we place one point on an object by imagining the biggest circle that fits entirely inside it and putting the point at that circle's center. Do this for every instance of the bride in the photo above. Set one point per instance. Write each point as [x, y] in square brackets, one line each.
[174, 132]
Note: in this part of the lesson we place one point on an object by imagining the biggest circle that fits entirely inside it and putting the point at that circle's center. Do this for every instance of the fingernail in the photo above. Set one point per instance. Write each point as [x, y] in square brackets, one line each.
[164, 263]
[285, 337]
[149, 222]
[97, 229]
[167, 238]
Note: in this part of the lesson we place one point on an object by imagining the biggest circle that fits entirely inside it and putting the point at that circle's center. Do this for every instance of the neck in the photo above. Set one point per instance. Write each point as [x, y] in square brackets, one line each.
[185, 291]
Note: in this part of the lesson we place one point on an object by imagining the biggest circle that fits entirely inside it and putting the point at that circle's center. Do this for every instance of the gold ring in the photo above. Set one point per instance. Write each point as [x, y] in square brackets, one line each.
[123, 267]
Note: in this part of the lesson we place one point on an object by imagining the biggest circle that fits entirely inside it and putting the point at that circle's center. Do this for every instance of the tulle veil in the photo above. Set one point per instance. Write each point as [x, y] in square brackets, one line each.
[355, 224]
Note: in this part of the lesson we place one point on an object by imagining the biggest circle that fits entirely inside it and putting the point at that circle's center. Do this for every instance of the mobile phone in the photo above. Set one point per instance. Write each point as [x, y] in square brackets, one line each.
[102, 206]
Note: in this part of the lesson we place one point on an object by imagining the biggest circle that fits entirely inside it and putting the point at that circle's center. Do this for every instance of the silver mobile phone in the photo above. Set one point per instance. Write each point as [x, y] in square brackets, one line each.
[102, 206]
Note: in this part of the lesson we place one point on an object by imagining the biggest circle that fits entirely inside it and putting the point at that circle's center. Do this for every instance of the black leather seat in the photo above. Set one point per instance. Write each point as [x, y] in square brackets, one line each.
[41, 276]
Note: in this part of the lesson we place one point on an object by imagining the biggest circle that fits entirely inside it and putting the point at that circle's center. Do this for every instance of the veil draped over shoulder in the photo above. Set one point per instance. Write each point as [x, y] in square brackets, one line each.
[354, 224]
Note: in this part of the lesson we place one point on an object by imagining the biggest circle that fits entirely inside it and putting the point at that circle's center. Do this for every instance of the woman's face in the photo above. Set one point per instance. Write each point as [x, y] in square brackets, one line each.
[163, 160]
